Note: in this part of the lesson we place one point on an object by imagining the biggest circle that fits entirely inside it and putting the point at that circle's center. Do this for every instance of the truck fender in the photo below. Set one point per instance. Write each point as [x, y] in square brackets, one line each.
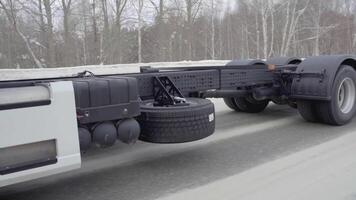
[315, 76]
[281, 61]
[246, 62]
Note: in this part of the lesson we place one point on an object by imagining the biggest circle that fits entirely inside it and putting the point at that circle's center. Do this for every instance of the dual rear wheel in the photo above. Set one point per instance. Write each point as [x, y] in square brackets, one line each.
[246, 104]
[341, 108]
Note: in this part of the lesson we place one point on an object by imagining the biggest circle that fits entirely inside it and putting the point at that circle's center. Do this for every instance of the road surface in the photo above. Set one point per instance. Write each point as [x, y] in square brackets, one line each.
[244, 146]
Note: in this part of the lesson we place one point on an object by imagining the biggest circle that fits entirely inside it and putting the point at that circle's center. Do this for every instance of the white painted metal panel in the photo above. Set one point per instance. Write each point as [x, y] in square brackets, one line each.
[56, 121]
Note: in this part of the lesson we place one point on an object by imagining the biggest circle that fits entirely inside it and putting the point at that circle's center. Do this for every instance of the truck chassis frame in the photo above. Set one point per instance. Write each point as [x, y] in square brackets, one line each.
[168, 105]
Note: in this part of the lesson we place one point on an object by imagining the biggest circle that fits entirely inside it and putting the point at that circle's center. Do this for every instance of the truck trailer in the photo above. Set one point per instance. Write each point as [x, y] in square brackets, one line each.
[47, 123]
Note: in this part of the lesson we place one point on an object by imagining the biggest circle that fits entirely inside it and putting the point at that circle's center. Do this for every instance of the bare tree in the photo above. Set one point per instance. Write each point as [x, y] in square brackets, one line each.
[120, 6]
[139, 29]
[96, 52]
[161, 43]
[292, 30]
[84, 37]
[317, 29]
[105, 40]
[192, 9]
[50, 35]
[213, 7]
[66, 7]
[105, 31]
[11, 16]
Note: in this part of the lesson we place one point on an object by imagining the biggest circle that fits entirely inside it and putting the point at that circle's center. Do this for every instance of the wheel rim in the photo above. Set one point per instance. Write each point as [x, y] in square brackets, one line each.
[346, 95]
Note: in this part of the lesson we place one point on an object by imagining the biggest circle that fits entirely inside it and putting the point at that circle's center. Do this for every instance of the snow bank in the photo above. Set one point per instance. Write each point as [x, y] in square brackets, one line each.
[21, 74]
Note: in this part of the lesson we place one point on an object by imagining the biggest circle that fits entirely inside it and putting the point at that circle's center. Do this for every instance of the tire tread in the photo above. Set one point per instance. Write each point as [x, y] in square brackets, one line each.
[179, 125]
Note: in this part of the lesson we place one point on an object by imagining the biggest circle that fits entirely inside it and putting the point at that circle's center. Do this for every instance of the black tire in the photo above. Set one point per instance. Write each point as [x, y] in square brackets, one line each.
[330, 111]
[308, 110]
[178, 124]
[230, 102]
[247, 105]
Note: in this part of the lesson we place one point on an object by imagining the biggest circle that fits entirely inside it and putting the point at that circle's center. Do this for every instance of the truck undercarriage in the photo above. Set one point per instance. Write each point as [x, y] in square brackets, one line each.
[46, 123]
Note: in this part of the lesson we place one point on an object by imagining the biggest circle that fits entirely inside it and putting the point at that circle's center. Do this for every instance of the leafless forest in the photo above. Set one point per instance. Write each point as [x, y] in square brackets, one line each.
[58, 33]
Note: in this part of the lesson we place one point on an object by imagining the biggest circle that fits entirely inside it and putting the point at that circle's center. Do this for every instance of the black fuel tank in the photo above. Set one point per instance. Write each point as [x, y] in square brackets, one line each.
[106, 99]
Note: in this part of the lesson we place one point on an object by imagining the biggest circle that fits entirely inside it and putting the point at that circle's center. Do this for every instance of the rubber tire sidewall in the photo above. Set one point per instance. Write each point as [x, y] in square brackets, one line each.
[330, 111]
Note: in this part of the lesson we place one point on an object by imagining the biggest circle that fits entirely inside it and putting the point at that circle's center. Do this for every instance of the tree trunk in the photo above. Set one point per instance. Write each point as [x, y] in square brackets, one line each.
[120, 6]
[139, 13]
[10, 14]
[161, 34]
[105, 35]
[257, 37]
[96, 49]
[272, 29]
[213, 29]
[264, 18]
[66, 6]
[42, 24]
[285, 30]
[317, 34]
[50, 40]
[189, 28]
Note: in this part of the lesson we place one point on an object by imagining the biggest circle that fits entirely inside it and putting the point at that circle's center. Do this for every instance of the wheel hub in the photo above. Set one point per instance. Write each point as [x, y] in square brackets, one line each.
[346, 95]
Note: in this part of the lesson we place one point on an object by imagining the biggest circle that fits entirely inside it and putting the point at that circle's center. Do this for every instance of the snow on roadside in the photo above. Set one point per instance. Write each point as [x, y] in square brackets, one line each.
[21, 74]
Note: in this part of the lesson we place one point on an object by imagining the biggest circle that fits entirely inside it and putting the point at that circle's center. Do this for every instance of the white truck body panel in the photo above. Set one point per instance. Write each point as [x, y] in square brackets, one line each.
[56, 121]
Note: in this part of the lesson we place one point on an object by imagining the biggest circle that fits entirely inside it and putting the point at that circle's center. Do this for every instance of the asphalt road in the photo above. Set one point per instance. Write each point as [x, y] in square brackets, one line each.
[150, 171]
